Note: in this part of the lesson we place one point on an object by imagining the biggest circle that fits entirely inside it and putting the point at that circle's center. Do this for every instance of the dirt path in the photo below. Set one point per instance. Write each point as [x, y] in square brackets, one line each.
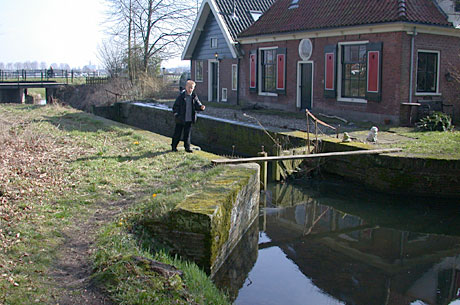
[73, 269]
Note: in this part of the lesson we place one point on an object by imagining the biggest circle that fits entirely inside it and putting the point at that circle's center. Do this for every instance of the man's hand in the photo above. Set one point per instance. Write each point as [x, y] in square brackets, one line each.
[202, 107]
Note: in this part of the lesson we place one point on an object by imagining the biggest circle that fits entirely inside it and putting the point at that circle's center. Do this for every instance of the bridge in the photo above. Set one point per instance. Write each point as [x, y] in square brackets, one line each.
[13, 84]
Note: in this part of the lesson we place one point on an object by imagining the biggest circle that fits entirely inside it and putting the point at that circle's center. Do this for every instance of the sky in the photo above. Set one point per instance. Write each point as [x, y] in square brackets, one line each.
[54, 31]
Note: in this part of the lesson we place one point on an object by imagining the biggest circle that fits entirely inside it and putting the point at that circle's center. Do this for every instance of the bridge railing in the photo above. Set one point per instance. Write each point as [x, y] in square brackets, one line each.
[42, 75]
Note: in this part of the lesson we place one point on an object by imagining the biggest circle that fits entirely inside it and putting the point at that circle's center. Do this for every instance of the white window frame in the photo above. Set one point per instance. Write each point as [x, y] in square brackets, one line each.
[234, 77]
[299, 81]
[202, 71]
[437, 93]
[339, 73]
[259, 76]
[212, 40]
[224, 94]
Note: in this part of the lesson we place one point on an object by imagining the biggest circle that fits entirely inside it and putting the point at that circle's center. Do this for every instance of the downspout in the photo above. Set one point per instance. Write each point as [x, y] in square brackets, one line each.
[238, 82]
[411, 77]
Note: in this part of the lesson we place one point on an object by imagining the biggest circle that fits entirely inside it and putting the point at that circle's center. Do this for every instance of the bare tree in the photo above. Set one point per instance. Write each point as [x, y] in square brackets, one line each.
[154, 29]
[112, 57]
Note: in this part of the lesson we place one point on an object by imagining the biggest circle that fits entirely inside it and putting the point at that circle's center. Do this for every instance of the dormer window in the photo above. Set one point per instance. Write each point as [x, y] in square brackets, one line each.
[255, 15]
[294, 4]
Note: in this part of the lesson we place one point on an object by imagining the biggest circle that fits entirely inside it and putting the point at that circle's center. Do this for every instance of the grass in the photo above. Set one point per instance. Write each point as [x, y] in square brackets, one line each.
[429, 144]
[58, 167]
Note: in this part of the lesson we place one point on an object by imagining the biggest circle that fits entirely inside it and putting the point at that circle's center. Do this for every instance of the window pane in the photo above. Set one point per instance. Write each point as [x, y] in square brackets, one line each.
[268, 71]
[199, 71]
[430, 62]
[362, 53]
[354, 68]
[362, 87]
[427, 69]
[354, 53]
[346, 88]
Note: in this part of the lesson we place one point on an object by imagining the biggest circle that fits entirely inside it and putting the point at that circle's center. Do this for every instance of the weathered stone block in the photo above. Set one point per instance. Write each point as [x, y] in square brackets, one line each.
[206, 226]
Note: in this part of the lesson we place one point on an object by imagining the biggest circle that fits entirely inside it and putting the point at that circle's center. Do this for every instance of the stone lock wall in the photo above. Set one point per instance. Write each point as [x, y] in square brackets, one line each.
[213, 134]
[392, 173]
[207, 226]
[387, 173]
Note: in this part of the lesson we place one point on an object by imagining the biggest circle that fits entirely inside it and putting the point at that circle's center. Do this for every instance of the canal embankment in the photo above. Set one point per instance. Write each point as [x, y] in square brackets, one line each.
[77, 195]
[390, 173]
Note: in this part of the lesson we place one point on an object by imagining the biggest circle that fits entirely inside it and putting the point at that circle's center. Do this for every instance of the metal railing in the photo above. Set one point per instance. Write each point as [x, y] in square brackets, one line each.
[43, 75]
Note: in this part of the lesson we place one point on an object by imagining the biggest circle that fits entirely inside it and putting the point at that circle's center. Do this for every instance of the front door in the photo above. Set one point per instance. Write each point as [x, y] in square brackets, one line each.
[306, 82]
[214, 82]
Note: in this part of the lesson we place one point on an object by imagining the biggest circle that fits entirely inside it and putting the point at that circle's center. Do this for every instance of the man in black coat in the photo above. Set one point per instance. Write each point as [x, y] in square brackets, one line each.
[184, 110]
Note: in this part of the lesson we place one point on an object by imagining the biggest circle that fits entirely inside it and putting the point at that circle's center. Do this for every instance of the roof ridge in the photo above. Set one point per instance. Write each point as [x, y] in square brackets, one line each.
[402, 10]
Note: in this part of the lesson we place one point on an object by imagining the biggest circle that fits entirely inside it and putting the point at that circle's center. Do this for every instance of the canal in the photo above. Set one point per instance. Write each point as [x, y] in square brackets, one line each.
[326, 241]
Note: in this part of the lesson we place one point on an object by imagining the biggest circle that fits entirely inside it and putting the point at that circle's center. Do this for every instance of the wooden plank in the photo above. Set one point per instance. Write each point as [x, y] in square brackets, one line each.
[319, 155]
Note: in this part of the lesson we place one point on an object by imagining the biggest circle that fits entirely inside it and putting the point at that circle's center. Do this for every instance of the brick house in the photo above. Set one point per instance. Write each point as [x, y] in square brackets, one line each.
[359, 59]
[213, 49]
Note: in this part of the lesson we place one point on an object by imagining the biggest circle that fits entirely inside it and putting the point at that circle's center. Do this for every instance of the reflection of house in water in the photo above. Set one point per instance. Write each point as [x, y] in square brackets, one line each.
[360, 263]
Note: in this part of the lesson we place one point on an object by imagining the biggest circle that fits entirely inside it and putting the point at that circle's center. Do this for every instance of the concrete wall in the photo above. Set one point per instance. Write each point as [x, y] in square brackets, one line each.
[12, 95]
[396, 174]
[386, 173]
[216, 135]
[206, 226]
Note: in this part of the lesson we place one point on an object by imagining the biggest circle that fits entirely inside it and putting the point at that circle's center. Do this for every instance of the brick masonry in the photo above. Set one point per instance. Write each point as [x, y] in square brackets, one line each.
[395, 75]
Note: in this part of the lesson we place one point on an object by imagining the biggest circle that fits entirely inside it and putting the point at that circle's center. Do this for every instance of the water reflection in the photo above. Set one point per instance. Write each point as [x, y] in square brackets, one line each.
[333, 244]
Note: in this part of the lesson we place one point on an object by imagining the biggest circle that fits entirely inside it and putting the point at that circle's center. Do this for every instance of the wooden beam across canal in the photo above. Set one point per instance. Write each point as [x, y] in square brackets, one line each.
[308, 156]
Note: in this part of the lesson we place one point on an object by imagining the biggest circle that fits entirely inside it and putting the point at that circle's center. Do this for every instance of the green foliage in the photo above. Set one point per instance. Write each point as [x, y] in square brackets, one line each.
[437, 121]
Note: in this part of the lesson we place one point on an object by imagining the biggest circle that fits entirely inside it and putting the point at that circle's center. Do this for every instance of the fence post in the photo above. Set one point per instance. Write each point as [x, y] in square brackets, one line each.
[263, 171]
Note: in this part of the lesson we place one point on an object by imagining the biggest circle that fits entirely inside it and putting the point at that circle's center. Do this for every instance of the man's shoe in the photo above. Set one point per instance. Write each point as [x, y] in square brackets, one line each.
[189, 150]
[174, 149]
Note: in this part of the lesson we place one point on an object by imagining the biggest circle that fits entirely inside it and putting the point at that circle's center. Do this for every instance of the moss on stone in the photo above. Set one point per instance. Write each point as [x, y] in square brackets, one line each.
[208, 213]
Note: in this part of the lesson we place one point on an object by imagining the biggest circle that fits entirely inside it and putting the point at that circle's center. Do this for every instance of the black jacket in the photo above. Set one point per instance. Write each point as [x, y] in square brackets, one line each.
[179, 107]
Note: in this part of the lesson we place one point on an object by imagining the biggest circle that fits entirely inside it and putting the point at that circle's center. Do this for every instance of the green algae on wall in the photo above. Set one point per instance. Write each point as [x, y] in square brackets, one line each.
[207, 225]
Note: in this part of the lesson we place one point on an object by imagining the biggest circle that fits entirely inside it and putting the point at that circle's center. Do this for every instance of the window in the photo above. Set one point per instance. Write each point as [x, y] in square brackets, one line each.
[255, 14]
[457, 6]
[427, 71]
[268, 70]
[213, 43]
[354, 71]
[199, 71]
[224, 94]
[234, 77]
[294, 4]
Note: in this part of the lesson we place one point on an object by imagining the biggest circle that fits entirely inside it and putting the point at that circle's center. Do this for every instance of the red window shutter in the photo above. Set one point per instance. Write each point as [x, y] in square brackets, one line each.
[374, 73]
[253, 70]
[330, 67]
[330, 63]
[281, 70]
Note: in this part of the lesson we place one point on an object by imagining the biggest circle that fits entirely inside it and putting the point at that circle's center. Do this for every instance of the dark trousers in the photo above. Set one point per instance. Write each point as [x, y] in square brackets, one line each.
[186, 128]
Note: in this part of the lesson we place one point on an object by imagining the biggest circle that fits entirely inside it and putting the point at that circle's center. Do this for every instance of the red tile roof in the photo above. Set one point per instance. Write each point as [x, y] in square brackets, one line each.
[326, 14]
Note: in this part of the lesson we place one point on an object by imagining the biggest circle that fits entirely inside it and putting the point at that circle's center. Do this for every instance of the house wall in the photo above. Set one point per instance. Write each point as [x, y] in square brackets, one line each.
[395, 72]
[449, 48]
[225, 80]
[203, 48]
[204, 52]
